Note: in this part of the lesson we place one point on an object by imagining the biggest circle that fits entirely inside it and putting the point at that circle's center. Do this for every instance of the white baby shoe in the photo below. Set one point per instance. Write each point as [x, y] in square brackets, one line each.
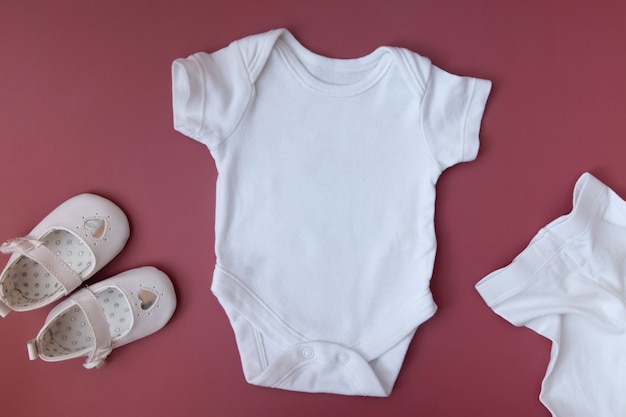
[106, 315]
[67, 247]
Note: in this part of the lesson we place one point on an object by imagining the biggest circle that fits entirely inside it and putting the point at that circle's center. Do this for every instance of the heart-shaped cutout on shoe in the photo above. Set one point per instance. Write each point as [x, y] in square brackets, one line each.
[148, 298]
[96, 227]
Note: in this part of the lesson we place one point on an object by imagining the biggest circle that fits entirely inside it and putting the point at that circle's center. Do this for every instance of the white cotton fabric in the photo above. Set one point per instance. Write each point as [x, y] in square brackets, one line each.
[569, 285]
[325, 201]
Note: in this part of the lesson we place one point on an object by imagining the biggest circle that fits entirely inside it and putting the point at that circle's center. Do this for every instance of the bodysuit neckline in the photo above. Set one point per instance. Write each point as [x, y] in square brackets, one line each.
[341, 77]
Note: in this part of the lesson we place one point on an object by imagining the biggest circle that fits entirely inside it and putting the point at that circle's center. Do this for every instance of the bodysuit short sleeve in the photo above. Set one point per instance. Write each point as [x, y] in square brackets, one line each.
[453, 107]
[210, 93]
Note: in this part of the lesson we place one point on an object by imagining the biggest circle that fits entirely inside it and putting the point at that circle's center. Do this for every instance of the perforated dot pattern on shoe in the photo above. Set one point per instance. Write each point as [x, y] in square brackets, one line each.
[147, 299]
[26, 282]
[70, 333]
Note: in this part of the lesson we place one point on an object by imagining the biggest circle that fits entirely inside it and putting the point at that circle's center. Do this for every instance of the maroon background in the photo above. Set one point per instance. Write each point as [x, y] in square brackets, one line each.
[85, 106]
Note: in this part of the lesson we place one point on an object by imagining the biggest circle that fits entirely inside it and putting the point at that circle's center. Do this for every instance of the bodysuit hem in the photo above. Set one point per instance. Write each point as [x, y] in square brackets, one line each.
[239, 301]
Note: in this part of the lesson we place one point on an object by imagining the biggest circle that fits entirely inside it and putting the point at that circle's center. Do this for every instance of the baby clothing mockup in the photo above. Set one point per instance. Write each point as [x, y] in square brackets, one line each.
[569, 285]
[325, 201]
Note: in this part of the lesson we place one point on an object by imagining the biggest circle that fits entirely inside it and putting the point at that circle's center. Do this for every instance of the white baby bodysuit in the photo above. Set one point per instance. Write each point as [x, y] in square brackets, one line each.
[325, 201]
[569, 285]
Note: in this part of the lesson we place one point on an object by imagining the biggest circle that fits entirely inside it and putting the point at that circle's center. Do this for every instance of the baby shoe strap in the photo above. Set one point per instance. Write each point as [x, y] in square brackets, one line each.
[38, 252]
[4, 310]
[32, 349]
[102, 346]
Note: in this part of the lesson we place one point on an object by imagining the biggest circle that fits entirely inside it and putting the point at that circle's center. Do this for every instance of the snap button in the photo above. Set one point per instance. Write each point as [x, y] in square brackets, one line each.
[343, 357]
[308, 352]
